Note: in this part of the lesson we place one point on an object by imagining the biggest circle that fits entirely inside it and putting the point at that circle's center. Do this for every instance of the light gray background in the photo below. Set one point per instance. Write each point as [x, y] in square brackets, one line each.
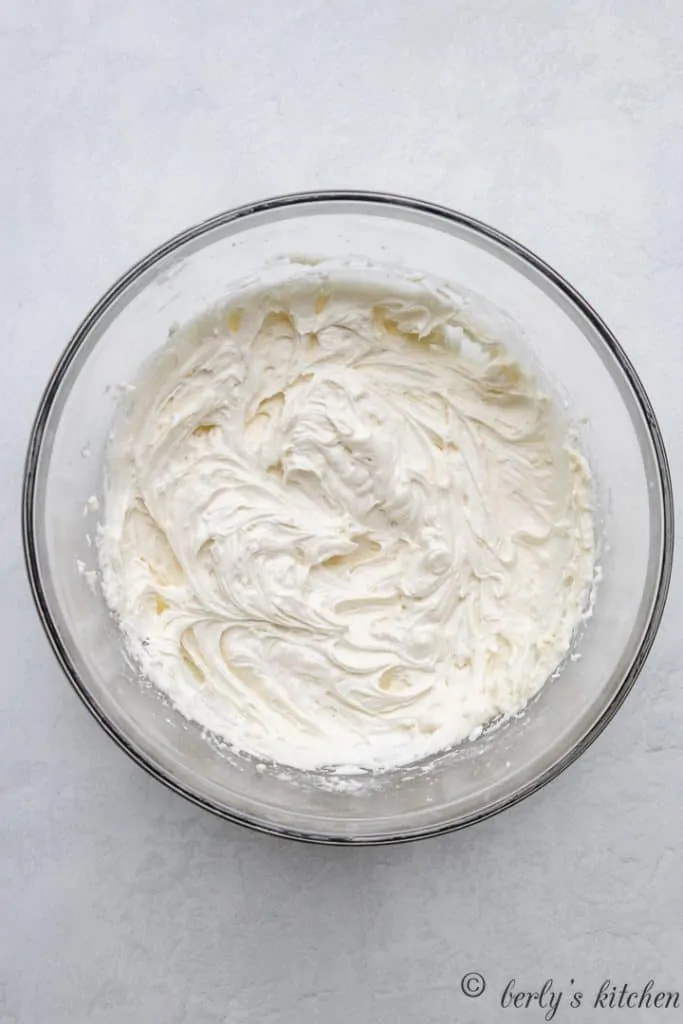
[559, 122]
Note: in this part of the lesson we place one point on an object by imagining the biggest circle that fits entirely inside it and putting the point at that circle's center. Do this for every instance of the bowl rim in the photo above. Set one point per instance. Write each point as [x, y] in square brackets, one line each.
[481, 229]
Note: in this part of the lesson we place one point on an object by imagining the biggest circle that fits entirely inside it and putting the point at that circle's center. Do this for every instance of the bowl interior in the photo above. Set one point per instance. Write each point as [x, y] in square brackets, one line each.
[573, 350]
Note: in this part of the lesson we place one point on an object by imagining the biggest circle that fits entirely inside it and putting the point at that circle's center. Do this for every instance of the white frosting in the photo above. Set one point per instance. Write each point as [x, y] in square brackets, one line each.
[341, 528]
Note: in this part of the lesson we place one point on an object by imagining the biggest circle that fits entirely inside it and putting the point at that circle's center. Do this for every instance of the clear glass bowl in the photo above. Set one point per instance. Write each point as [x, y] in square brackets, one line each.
[574, 349]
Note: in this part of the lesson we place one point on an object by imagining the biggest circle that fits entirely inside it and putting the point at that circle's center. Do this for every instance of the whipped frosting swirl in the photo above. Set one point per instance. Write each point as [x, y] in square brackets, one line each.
[342, 527]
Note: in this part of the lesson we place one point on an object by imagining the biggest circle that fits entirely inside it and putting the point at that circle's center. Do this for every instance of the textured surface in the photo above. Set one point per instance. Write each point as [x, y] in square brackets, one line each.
[559, 122]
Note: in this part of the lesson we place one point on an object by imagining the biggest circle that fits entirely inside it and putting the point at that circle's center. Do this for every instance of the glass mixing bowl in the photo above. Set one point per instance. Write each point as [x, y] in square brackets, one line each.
[572, 347]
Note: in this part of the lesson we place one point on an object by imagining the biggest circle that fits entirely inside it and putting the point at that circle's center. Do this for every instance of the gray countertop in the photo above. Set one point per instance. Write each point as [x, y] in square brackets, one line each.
[562, 124]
